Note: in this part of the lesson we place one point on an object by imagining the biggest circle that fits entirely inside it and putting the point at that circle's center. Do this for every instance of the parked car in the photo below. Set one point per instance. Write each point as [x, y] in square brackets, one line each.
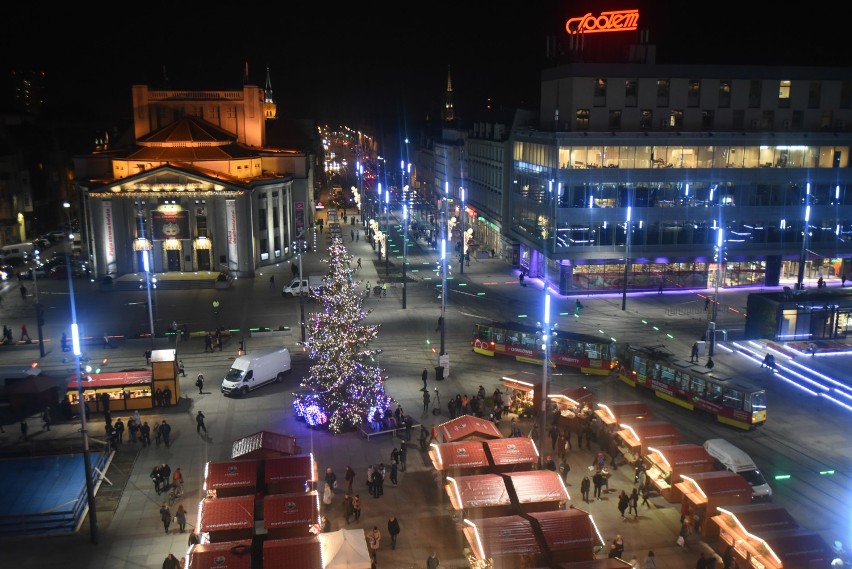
[40, 272]
[61, 272]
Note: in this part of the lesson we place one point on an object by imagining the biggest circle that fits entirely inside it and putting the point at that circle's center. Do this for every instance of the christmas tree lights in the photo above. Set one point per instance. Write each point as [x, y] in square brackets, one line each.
[342, 385]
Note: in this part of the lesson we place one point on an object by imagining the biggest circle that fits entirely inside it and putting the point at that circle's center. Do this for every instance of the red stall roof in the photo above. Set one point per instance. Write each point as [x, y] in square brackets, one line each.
[468, 427]
[463, 454]
[296, 553]
[716, 483]
[567, 529]
[536, 486]
[477, 491]
[574, 396]
[622, 410]
[265, 441]
[222, 514]
[230, 554]
[287, 510]
[799, 547]
[286, 468]
[499, 537]
[648, 432]
[112, 380]
[682, 455]
[231, 474]
[759, 518]
[514, 450]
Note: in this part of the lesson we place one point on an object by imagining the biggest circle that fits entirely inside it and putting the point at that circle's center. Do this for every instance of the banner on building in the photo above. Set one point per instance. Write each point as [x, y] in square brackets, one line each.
[109, 237]
[170, 224]
[299, 219]
[231, 214]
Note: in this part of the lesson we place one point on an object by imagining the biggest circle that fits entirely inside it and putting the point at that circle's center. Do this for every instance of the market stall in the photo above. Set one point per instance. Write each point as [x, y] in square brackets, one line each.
[478, 496]
[264, 444]
[704, 492]
[468, 427]
[766, 535]
[514, 454]
[635, 438]
[165, 371]
[665, 464]
[230, 554]
[126, 391]
[290, 515]
[536, 491]
[301, 552]
[519, 397]
[614, 414]
[569, 535]
[290, 474]
[231, 478]
[464, 458]
[574, 406]
[508, 542]
[225, 519]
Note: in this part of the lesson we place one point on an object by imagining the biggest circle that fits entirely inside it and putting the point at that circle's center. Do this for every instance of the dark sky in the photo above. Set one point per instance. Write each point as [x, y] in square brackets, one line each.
[377, 62]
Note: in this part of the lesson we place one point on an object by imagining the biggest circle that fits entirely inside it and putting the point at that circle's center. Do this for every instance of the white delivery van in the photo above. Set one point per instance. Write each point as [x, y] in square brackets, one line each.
[730, 457]
[298, 286]
[256, 369]
[17, 252]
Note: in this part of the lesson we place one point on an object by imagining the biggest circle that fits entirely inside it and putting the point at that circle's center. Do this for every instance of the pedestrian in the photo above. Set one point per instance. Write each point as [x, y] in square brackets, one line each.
[356, 507]
[550, 464]
[199, 423]
[393, 530]
[271, 281]
[426, 399]
[578, 307]
[132, 429]
[45, 417]
[359, 262]
[373, 540]
[693, 357]
[433, 436]
[165, 432]
[376, 486]
[351, 235]
[440, 323]
[650, 561]
[646, 491]
[330, 478]
[24, 429]
[180, 515]
[633, 503]
[432, 561]
[701, 563]
[357, 239]
[25, 336]
[727, 557]
[64, 342]
[349, 478]
[325, 524]
[177, 482]
[165, 516]
[158, 436]
[584, 488]
[145, 432]
[208, 343]
[119, 430]
[166, 474]
[171, 562]
[181, 369]
[710, 363]
[393, 474]
[598, 482]
[147, 357]
[618, 542]
[199, 383]
[107, 342]
[424, 376]
[553, 432]
[403, 449]
[623, 500]
[347, 507]
[167, 397]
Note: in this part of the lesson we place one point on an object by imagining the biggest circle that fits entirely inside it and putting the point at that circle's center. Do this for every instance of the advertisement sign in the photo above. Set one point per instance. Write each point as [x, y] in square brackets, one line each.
[109, 235]
[231, 222]
[170, 224]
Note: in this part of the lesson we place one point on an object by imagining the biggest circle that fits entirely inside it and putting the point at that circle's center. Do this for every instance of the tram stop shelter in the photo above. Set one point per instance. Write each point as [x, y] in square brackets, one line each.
[264, 444]
[508, 541]
[290, 474]
[230, 554]
[664, 466]
[569, 535]
[468, 427]
[226, 519]
[514, 454]
[637, 437]
[231, 478]
[290, 515]
[536, 491]
[478, 496]
[614, 414]
[766, 535]
[301, 552]
[704, 492]
[464, 458]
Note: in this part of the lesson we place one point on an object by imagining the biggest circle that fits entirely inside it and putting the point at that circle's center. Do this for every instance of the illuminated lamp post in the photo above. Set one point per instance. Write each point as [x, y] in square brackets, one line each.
[805, 234]
[720, 259]
[464, 237]
[545, 349]
[387, 232]
[445, 227]
[626, 259]
[404, 253]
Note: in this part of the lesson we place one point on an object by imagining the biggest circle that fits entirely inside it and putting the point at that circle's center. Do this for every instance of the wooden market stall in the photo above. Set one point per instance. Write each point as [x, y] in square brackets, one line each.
[464, 458]
[231, 478]
[509, 542]
[230, 554]
[478, 496]
[468, 427]
[536, 491]
[515, 454]
[569, 535]
[519, 396]
[165, 371]
[665, 464]
[127, 391]
[704, 492]
[290, 515]
[226, 519]
[614, 414]
[635, 438]
[264, 444]
[575, 406]
[296, 553]
[290, 474]
[766, 535]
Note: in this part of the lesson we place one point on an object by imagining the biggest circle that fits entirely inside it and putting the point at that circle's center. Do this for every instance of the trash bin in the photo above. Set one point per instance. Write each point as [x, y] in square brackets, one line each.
[439, 373]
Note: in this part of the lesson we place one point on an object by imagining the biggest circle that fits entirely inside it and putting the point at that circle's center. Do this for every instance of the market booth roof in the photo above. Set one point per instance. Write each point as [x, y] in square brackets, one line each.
[112, 380]
[493, 538]
[478, 491]
[468, 427]
[536, 486]
[567, 529]
[644, 433]
[230, 554]
[675, 457]
[288, 510]
[235, 476]
[297, 472]
[226, 514]
[754, 518]
[295, 553]
[704, 486]
[345, 549]
[265, 444]
[574, 396]
[615, 413]
[511, 451]
[454, 456]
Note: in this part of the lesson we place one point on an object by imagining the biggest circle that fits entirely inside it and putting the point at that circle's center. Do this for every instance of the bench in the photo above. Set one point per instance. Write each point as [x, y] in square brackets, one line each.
[368, 432]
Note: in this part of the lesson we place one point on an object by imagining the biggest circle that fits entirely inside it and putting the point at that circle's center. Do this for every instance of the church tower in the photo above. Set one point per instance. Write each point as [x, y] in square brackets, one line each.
[449, 111]
[270, 109]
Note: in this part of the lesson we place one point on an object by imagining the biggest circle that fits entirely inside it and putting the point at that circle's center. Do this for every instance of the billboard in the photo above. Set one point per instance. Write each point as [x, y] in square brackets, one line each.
[170, 224]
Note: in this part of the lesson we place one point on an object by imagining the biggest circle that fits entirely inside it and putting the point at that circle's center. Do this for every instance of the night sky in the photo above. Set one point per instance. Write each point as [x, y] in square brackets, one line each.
[379, 65]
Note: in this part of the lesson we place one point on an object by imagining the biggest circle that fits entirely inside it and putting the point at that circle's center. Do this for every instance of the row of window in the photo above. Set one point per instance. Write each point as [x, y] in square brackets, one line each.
[674, 121]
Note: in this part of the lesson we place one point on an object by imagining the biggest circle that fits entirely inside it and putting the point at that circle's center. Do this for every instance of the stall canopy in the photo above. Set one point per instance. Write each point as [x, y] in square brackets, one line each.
[613, 414]
[794, 548]
[755, 518]
[468, 427]
[702, 486]
[500, 537]
[345, 549]
[514, 451]
[574, 397]
[296, 553]
[289, 510]
[232, 478]
[226, 514]
[460, 455]
[478, 491]
[567, 529]
[638, 436]
[289, 474]
[536, 486]
[677, 457]
[265, 444]
[230, 554]
[112, 380]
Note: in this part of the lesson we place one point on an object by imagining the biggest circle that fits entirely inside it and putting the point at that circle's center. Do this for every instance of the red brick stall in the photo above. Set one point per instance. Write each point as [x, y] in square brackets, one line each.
[230, 554]
[226, 519]
[536, 491]
[568, 535]
[290, 474]
[296, 553]
[231, 478]
[515, 454]
[290, 515]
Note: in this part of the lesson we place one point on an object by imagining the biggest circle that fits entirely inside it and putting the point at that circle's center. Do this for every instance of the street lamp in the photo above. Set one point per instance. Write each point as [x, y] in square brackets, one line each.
[299, 246]
[38, 306]
[387, 232]
[445, 228]
[404, 252]
[626, 259]
[146, 266]
[805, 233]
[545, 349]
[463, 214]
[720, 259]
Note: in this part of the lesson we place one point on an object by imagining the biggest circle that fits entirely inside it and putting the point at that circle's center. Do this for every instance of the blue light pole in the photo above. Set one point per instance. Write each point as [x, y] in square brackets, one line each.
[387, 232]
[545, 349]
[463, 215]
[404, 253]
[805, 233]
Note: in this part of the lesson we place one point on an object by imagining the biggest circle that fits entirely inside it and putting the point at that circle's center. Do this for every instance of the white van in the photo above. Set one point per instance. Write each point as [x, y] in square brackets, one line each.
[256, 369]
[21, 251]
[730, 457]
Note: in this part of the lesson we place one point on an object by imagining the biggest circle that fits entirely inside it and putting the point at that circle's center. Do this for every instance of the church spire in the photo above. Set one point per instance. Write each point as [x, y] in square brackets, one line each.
[270, 109]
[449, 111]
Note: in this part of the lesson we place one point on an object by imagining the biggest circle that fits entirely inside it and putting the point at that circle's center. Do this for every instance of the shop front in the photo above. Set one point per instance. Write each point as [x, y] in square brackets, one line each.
[664, 466]
[705, 492]
[637, 437]
[575, 406]
[115, 392]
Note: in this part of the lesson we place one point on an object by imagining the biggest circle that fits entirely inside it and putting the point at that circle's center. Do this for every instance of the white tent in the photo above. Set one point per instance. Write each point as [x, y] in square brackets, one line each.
[345, 549]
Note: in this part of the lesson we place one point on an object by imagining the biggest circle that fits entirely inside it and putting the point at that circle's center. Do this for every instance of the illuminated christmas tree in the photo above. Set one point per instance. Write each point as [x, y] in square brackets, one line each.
[344, 386]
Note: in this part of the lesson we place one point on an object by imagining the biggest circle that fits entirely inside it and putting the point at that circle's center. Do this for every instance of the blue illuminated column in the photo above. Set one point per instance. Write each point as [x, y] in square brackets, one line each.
[463, 215]
[404, 252]
[444, 229]
[387, 232]
[805, 233]
[545, 368]
[720, 259]
[627, 229]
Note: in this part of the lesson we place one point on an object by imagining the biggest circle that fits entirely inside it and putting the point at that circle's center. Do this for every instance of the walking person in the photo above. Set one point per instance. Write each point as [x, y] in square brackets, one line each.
[394, 468]
[646, 491]
[181, 369]
[25, 336]
[349, 478]
[403, 454]
[158, 436]
[373, 540]
[424, 376]
[180, 516]
[598, 482]
[348, 510]
[585, 486]
[426, 399]
[356, 507]
[623, 501]
[693, 357]
[165, 516]
[359, 262]
[393, 530]
[145, 434]
[633, 503]
[45, 417]
[432, 561]
[171, 562]
[119, 430]
[271, 281]
[199, 423]
[166, 432]
[177, 482]
[199, 383]
[24, 429]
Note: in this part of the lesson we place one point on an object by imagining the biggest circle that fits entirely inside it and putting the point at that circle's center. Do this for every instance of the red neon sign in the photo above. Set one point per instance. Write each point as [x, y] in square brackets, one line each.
[613, 21]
